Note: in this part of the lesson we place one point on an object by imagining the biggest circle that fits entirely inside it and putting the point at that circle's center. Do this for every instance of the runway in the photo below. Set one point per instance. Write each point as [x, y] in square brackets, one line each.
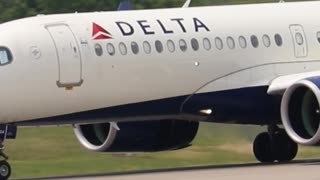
[297, 170]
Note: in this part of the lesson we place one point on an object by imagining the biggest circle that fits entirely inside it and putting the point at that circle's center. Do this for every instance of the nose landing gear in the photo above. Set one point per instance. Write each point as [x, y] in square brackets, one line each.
[274, 145]
[5, 168]
[6, 132]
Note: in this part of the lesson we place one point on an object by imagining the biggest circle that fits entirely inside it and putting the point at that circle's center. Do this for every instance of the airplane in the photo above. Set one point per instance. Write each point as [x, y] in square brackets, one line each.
[143, 80]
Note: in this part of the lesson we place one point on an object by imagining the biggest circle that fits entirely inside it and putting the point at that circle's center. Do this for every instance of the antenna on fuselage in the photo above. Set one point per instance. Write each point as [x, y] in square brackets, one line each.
[125, 6]
[186, 4]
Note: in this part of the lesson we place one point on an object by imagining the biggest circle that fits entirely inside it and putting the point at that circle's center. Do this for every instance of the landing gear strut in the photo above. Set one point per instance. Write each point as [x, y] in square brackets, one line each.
[6, 132]
[274, 145]
[5, 169]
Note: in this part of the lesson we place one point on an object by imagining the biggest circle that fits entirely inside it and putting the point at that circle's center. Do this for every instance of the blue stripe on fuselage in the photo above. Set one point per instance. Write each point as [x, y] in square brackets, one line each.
[241, 106]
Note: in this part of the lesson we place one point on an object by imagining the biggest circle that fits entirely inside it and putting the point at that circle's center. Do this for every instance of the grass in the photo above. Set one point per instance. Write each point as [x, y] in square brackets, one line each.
[43, 152]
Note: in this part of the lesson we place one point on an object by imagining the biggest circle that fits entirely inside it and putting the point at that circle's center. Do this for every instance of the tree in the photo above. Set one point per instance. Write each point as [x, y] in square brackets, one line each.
[14, 9]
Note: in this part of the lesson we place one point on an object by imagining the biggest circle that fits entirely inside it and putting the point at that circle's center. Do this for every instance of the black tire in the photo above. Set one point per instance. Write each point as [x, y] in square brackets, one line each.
[5, 170]
[262, 148]
[285, 148]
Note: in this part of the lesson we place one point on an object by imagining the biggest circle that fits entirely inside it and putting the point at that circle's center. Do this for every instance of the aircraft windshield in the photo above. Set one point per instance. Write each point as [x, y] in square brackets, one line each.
[5, 56]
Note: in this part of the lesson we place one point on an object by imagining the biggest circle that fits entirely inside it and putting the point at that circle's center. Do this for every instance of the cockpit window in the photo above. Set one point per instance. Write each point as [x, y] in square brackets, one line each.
[5, 56]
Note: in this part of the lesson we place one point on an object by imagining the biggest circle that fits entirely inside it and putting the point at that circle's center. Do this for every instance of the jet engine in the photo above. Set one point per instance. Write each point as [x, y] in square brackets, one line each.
[146, 136]
[300, 111]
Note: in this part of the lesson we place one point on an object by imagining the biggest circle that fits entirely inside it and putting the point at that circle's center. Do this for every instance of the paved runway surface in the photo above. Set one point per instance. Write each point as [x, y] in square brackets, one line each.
[298, 170]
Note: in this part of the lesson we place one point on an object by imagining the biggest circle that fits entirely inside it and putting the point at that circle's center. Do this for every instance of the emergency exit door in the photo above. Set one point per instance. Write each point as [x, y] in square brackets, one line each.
[68, 54]
[299, 41]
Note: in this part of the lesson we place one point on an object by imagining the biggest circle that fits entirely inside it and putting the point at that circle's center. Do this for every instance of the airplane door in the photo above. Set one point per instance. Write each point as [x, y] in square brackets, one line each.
[299, 41]
[68, 53]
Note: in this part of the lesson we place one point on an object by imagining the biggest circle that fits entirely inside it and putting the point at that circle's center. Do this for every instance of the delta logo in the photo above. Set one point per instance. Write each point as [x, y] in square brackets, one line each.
[148, 28]
[99, 33]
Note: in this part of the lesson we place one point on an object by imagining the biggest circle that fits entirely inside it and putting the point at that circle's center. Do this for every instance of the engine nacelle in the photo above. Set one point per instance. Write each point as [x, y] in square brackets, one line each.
[147, 136]
[300, 111]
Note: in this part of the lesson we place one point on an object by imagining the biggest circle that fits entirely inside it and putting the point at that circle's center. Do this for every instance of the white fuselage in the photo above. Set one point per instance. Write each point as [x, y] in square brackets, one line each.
[56, 70]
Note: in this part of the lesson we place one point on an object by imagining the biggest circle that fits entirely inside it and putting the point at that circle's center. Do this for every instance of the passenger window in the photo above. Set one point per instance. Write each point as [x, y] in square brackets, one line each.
[266, 40]
[159, 46]
[111, 50]
[230, 42]
[242, 42]
[219, 43]
[278, 40]
[5, 56]
[206, 44]
[183, 45]
[98, 49]
[123, 49]
[195, 44]
[171, 46]
[318, 36]
[299, 39]
[254, 41]
[134, 48]
[147, 47]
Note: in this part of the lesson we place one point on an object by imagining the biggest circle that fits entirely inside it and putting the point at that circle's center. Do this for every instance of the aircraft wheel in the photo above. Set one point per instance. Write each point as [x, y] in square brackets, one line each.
[5, 170]
[262, 148]
[285, 148]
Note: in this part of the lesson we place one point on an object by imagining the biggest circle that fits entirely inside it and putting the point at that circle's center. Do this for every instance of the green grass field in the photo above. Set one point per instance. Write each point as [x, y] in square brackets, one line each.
[43, 152]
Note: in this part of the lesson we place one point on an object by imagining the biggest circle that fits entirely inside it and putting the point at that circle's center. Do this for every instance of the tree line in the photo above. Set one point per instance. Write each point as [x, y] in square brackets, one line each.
[14, 9]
